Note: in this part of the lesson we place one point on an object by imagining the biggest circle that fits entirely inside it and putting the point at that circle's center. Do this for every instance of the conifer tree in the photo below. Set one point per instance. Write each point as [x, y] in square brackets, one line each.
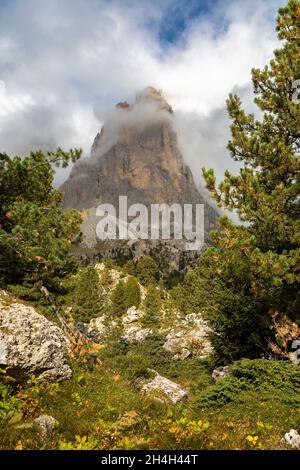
[257, 263]
[35, 232]
[147, 270]
[87, 296]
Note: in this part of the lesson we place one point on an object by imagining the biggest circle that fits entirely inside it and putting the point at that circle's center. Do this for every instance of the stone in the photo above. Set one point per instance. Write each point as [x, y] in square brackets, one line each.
[136, 334]
[293, 438]
[96, 329]
[136, 154]
[164, 390]
[178, 347]
[132, 315]
[221, 372]
[189, 338]
[45, 425]
[30, 344]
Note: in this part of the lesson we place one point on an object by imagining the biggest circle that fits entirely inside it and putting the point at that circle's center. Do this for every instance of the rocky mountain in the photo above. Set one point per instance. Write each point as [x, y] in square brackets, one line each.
[135, 154]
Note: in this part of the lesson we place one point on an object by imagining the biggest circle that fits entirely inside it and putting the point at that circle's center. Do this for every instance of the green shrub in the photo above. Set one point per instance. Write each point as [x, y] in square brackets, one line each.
[9, 404]
[264, 377]
[134, 365]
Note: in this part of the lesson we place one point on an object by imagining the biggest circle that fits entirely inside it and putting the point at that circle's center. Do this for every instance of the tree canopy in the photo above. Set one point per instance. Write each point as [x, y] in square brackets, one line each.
[35, 232]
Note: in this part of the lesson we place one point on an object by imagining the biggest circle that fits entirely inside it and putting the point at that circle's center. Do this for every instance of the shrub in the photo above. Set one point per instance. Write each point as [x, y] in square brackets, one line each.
[9, 404]
[267, 378]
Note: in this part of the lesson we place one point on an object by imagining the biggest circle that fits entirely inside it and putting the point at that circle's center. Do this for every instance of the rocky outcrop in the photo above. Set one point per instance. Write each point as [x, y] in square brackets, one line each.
[189, 337]
[98, 329]
[143, 161]
[30, 344]
[293, 439]
[132, 315]
[135, 155]
[45, 425]
[164, 390]
[221, 372]
[136, 334]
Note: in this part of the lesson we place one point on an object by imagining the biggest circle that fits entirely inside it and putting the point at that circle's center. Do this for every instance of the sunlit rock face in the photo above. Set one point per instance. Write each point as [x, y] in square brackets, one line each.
[135, 154]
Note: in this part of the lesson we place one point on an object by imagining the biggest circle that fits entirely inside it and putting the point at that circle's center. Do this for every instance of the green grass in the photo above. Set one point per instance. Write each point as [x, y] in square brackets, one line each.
[102, 406]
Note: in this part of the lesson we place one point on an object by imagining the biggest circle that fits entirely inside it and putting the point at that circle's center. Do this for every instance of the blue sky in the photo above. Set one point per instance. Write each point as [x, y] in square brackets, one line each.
[64, 64]
[179, 16]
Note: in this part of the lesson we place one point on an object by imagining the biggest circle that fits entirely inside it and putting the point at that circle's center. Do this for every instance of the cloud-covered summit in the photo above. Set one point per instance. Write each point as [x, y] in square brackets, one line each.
[64, 64]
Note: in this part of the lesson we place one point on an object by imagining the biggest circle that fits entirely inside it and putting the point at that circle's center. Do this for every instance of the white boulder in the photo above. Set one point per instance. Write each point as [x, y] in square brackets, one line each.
[164, 390]
[30, 344]
[293, 438]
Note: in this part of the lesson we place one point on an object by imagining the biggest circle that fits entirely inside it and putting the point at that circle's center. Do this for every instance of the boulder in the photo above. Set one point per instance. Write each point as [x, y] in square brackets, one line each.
[178, 346]
[164, 390]
[136, 334]
[132, 315]
[221, 372]
[189, 337]
[45, 425]
[97, 329]
[293, 438]
[30, 344]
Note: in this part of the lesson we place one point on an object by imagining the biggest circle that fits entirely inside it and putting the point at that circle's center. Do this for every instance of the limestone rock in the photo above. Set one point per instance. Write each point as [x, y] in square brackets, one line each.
[189, 337]
[164, 390]
[293, 438]
[30, 344]
[46, 425]
[136, 334]
[97, 329]
[177, 345]
[221, 372]
[135, 155]
[132, 315]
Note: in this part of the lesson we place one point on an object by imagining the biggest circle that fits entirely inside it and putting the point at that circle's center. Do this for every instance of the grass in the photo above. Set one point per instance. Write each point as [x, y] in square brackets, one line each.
[100, 407]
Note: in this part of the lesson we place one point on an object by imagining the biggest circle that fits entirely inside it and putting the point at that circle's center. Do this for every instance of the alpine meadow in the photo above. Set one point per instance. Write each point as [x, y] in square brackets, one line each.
[134, 341]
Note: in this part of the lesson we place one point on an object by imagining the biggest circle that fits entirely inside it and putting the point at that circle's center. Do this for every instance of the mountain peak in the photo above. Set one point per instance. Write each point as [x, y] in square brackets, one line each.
[135, 155]
[151, 94]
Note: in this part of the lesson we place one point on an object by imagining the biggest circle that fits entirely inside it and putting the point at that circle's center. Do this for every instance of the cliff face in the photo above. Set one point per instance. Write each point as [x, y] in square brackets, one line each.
[138, 156]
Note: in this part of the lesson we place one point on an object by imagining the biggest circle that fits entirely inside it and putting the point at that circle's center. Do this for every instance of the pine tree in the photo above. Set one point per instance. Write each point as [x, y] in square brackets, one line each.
[147, 270]
[35, 233]
[125, 295]
[118, 299]
[87, 296]
[258, 262]
[129, 268]
[152, 304]
[133, 292]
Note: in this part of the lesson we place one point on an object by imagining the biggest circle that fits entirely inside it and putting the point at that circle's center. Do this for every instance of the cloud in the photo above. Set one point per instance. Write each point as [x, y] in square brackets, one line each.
[64, 64]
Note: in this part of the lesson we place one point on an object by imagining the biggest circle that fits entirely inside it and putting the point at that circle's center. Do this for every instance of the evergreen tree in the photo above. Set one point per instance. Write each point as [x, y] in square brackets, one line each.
[118, 299]
[152, 304]
[129, 268]
[87, 297]
[133, 292]
[125, 295]
[35, 233]
[147, 270]
[257, 263]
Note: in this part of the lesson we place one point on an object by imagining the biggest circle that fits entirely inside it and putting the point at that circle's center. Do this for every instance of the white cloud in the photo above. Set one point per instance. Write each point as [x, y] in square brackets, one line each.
[61, 60]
